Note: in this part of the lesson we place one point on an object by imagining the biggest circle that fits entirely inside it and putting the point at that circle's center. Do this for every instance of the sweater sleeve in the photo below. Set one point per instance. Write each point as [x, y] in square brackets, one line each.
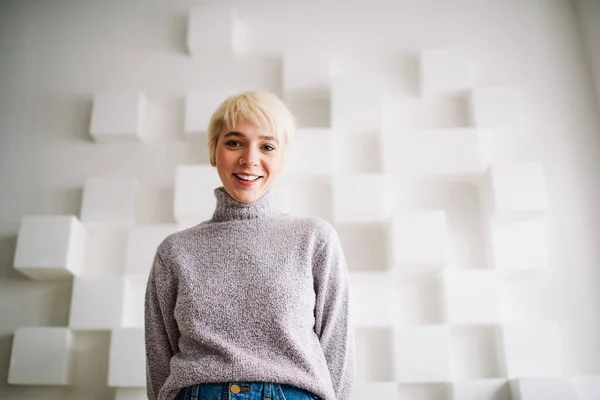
[161, 331]
[333, 324]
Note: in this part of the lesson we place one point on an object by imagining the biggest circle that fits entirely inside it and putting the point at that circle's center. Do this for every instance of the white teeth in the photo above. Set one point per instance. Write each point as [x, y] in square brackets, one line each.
[247, 177]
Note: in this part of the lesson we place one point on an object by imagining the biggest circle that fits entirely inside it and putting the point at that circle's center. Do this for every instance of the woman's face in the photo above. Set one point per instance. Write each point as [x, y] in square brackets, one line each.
[248, 158]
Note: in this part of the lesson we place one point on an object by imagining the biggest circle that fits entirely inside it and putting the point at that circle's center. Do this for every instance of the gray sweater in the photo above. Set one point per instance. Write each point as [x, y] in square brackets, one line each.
[250, 295]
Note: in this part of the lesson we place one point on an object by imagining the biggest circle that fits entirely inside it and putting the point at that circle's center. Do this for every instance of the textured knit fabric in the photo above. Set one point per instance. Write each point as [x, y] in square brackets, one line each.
[250, 295]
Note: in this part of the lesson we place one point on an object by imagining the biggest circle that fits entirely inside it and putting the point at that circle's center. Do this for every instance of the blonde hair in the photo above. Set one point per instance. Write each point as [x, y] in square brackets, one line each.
[260, 108]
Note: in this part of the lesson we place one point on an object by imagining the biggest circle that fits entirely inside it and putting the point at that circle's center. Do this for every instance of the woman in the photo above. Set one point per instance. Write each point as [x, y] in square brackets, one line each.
[251, 304]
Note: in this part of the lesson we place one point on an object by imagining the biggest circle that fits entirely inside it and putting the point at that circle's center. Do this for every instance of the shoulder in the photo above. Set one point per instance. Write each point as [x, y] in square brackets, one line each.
[180, 240]
[320, 230]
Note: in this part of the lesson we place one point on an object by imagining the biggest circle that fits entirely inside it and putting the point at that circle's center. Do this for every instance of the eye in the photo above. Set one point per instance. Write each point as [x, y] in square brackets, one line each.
[268, 147]
[232, 143]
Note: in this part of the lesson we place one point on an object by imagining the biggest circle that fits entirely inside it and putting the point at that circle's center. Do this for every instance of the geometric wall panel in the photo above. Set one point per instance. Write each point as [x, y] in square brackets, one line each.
[194, 193]
[530, 350]
[453, 153]
[213, 29]
[369, 204]
[108, 202]
[131, 394]
[520, 246]
[97, 303]
[471, 297]
[442, 71]
[306, 87]
[305, 70]
[41, 356]
[484, 389]
[141, 248]
[474, 352]
[588, 387]
[373, 298]
[543, 388]
[127, 365]
[419, 300]
[133, 307]
[374, 354]
[517, 189]
[356, 108]
[419, 240]
[50, 247]
[311, 152]
[375, 390]
[199, 108]
[118, 116]
[304, 195]
[497, 108]
[423, 354]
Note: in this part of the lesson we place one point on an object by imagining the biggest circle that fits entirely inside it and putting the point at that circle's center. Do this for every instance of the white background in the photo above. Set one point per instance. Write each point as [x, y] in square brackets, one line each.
[54, 55]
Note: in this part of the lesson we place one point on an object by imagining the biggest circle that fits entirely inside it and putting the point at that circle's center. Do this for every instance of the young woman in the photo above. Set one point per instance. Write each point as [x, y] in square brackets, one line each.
[253, 303]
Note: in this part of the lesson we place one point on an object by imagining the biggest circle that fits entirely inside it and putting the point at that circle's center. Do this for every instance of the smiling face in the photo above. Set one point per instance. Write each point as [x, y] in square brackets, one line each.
[248, 158]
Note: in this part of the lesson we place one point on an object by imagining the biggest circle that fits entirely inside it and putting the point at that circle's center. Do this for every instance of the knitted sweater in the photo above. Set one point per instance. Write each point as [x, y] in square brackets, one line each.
[250, 295]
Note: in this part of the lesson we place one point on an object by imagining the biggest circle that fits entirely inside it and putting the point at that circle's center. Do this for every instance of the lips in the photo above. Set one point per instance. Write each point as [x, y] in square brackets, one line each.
[247, 180]
[248, 177]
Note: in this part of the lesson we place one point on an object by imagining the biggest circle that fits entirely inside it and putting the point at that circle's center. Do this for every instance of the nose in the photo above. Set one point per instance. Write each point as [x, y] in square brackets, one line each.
[251, 158]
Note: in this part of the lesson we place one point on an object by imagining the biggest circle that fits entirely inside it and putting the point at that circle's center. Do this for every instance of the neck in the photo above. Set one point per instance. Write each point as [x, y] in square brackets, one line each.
[229, 209]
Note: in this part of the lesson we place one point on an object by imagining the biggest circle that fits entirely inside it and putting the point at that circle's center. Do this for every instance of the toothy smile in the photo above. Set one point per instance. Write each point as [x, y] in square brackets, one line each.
[248, 177]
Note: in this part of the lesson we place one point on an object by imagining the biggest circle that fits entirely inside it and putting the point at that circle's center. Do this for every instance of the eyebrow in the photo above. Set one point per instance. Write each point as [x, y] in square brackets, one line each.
[239, 134]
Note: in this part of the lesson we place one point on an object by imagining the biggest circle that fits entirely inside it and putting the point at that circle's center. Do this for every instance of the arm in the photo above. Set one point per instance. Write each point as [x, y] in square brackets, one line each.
[161, 332]
[333, 324]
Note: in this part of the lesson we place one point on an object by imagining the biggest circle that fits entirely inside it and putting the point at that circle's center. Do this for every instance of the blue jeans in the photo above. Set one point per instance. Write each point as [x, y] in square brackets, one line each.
[244, 391]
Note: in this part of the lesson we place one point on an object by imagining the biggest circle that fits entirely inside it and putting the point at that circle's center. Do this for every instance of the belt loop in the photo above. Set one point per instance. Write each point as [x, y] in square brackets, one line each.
[195, 390]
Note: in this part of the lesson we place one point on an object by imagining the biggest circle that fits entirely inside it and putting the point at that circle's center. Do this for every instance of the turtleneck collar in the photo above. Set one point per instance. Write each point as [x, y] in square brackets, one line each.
[229, 209]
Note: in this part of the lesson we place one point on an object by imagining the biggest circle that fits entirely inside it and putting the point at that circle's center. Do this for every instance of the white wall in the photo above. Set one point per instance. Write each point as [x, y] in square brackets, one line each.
[55, 55]
[588, 12]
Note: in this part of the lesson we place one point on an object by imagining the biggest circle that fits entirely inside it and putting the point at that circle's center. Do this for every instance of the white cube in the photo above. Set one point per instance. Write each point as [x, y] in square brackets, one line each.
[423, 354]
[127, 363]
[375, 390]
[304, 196]
[471, 297]
[355, 108]
[50, 247]
[118, 116]
[419, 239]
[530, 350]
[361, 198]
[195, 199]
[443, 70]
[374, 354]
[311, 152]
[373, 298]
[520, 246]
[436, 152]
[543, 388]
[141, 248]
[199, 108]
[587, 386]
[131, 394]
[97, 303]
[497, 108]
[517, 190]
[133, 304]
[484, 389]
[306, 70]
[109, 202]
[214, 29]
[41, 356]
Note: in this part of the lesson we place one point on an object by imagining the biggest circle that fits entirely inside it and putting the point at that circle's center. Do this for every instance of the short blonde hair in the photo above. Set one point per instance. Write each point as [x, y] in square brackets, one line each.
[260, 108]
